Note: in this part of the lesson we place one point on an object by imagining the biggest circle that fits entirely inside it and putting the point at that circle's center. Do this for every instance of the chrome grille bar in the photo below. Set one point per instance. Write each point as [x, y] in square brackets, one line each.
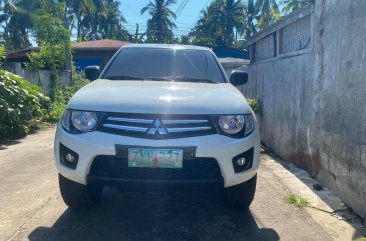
[152, 126]
[169, 122]
[126, 128]
[143, 121]
[188, 129]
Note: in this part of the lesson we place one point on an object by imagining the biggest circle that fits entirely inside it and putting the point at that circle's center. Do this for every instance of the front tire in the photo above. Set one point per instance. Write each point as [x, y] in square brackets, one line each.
[78, 196]
[240, 196]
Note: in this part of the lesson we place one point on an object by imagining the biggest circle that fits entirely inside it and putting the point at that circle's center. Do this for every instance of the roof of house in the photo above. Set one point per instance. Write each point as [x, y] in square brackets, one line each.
[99, 44]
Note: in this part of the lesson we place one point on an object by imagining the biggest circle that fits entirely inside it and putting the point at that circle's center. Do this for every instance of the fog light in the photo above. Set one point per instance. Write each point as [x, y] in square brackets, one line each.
[241, 161]
[70, 158]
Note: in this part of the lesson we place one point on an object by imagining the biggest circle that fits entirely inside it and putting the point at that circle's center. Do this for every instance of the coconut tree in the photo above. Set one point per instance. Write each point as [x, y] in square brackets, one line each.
[77, 9]
[292, 5]
[221, 20]
[252, 13]
[20, 22]
[111, 22]
[231, 16]
[160, 26]
[269, 12]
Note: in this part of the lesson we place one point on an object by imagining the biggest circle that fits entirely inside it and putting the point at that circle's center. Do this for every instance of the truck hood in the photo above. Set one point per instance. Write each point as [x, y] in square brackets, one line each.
[158, 97]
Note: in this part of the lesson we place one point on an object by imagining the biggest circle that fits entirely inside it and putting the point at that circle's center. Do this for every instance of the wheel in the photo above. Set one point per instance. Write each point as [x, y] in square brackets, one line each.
[78, 196]
[240, 196]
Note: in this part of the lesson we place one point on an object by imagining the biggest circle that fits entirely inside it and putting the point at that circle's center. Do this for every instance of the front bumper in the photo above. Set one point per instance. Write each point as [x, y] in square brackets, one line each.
[92, 144]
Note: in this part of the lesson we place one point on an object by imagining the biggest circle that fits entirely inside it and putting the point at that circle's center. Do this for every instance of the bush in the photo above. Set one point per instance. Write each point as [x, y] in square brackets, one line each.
[22, 105]
[62, 97]
[255, 105]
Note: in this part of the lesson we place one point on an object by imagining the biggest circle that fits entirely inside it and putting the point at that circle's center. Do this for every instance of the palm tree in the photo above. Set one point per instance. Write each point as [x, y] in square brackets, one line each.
[111, 23]
[292, 5]
[160, 26]
[77, 8]
[21, 22]
[202, 29]
[231, 16]
[220, 20]
[269, 12]
[252, 13]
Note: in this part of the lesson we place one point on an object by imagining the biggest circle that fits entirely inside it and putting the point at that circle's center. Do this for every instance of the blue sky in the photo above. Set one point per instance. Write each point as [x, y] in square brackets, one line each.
[185, 21]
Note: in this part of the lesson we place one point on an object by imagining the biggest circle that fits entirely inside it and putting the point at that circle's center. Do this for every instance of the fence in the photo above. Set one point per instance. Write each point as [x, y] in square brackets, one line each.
[41, 78]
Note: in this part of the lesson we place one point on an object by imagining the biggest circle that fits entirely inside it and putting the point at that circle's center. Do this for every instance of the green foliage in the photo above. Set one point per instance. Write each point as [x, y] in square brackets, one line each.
[205, 42]
[48, 58]
[53, 38]
[292, 5]
[222, 21]
[2, 55]
[255, 105]
[160, 26]
[62, 97]
[297, 201]
[22, 104]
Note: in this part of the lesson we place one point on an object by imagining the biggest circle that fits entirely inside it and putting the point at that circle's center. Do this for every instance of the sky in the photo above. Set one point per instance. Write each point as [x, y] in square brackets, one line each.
[185, 20]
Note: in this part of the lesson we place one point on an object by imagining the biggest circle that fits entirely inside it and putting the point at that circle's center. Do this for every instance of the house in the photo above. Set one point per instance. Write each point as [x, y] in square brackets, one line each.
[97, 52]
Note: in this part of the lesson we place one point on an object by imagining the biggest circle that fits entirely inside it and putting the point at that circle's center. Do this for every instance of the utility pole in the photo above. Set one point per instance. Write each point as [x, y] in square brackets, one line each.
[68, 59]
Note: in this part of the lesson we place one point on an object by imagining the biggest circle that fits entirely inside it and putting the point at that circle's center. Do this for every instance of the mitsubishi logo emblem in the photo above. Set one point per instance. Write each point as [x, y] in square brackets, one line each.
[157, 123]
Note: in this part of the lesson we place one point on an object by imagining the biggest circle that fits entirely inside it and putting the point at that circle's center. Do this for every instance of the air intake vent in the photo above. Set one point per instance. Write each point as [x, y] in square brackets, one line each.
[157, 126]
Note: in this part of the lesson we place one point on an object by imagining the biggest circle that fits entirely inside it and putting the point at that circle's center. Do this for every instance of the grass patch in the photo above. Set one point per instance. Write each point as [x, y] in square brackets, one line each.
[297, 201]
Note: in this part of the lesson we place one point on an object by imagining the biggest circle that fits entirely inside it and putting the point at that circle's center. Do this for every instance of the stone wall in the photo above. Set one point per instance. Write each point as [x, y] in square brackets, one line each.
[308, 70]
[41, 78]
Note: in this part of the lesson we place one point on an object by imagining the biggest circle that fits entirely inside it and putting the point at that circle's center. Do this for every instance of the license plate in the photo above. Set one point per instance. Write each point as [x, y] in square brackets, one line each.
[155, 158]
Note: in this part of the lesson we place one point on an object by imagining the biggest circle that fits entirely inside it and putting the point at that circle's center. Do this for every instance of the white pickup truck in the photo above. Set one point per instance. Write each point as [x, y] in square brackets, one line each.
[158, 114]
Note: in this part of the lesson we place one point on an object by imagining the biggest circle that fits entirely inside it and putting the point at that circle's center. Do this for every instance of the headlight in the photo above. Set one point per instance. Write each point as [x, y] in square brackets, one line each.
[231, 124]
[236, 125]
[79, 121]
[249, 124]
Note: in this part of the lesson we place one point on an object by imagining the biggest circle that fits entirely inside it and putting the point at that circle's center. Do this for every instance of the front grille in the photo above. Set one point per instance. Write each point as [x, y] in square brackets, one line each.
[193, 169]
[157, 126]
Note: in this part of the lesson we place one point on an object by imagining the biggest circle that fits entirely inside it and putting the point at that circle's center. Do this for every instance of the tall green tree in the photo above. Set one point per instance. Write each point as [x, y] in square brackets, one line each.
[77, 9]
[105, 20]
[19, 19]
[252, 13]
[269, 12]
[52, 37]
[292, 5]
[160, 26]
[223, 20]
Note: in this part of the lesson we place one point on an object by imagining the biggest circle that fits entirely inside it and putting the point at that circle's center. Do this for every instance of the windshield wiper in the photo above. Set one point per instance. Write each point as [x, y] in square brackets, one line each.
[124, 77]
[160, 79]
[166, 78]
[131, 77]
[188, 79]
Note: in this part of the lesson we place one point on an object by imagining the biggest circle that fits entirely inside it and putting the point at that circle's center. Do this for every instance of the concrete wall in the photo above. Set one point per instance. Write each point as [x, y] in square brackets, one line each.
[41, 78]
[339, 122]
[312, 87]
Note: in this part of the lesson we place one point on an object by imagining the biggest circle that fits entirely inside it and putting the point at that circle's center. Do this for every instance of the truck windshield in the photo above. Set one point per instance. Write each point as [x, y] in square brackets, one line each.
[180, 65]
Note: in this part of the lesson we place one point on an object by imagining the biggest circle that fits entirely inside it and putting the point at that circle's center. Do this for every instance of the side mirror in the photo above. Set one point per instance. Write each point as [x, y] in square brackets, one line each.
[92, 72]
[238, 77]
